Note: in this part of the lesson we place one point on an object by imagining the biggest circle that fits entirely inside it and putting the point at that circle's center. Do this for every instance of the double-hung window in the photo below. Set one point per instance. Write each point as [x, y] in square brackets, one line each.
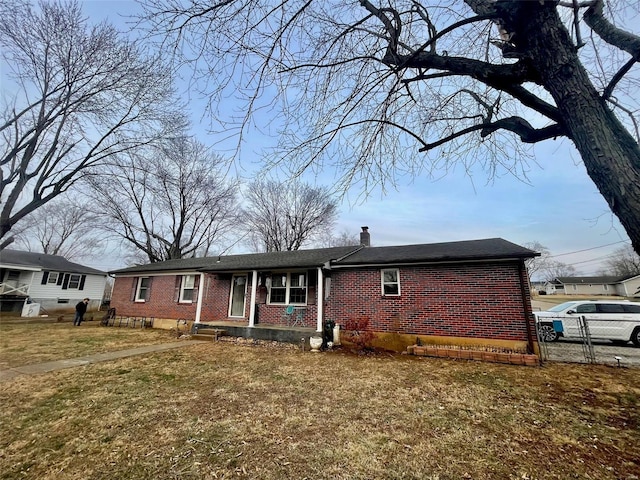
[142, 292]
[74, 281]
[288, 288]
[53, 277]
[187, 288]
[390, 282]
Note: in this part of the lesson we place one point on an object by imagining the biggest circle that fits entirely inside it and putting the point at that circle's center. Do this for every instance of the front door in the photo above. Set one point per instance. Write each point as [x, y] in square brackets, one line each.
[238, 293]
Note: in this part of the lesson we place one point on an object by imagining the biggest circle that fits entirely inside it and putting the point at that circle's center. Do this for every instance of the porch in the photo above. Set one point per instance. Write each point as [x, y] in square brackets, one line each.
[276, 333]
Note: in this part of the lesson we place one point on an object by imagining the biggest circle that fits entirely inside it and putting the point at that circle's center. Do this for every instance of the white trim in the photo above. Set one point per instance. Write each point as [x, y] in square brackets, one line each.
[160, 274]
[425, 262]
[252, 307]
[287, 287]
[23, 268]
[244, 302]
[136, 297]
[319, 299]
[382, 282]
[200, 297]
[183, 279]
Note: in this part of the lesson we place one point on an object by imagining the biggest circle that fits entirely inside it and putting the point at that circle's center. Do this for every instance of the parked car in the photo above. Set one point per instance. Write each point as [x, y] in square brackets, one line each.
[618, 321]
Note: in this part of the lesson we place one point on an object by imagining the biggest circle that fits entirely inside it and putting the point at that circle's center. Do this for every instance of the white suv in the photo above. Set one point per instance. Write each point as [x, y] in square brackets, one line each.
[618, 321]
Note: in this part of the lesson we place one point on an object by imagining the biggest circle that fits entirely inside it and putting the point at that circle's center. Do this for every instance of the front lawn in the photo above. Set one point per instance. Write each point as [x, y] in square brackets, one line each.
[223, 410]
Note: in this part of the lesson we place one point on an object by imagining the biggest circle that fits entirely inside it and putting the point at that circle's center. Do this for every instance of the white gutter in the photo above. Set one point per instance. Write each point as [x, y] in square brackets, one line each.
[252, 307]
[320, 301]
[200, 297]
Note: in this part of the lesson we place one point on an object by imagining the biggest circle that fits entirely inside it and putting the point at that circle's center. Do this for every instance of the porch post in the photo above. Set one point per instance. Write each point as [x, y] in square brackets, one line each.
[200, 297]
[320, 300]
[252, 307]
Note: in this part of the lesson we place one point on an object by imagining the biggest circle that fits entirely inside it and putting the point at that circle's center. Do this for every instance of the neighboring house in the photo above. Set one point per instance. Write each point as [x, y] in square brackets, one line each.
[50, 282]
[471, 292]
[626, 286]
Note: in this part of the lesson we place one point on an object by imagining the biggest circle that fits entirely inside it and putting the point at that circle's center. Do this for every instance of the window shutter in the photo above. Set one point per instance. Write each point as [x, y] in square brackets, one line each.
[196, 285]
[60, 277]
[82, 279]
[45, 277]
[176, 296]
[134, 287]
[65, 282]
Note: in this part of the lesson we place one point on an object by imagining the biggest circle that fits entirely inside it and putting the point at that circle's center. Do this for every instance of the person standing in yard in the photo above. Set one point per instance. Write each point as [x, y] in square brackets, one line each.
[81, 309]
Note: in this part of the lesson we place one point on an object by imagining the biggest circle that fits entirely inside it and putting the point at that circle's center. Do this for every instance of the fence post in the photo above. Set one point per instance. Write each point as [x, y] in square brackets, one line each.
[587, 346]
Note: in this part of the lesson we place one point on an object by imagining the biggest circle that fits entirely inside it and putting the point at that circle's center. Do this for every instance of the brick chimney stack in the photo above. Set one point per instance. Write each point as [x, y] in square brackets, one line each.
[365, 237]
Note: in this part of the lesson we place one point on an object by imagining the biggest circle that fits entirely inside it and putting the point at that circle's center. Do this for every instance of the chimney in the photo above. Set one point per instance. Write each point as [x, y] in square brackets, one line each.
[365, 237]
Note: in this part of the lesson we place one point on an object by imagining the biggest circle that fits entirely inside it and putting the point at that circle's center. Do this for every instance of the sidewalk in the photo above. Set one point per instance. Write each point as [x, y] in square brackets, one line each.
[45, 367]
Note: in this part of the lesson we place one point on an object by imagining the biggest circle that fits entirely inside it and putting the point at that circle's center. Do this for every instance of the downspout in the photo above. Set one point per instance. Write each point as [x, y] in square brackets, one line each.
[252, 307]
[200, 297]
[528, 312]
[320, 302]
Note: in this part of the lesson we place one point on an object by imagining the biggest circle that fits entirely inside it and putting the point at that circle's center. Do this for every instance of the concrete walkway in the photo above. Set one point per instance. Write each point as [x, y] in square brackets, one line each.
[45, 367]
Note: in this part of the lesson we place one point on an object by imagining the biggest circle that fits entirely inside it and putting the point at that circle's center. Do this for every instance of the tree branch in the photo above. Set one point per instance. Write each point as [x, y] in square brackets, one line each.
[611, 34]
[517, 125]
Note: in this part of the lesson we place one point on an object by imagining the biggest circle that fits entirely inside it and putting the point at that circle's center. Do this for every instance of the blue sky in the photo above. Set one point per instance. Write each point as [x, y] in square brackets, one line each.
[559, 207]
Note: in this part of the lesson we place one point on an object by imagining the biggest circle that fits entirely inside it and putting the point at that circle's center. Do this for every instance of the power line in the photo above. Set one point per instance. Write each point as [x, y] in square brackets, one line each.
[588, 249]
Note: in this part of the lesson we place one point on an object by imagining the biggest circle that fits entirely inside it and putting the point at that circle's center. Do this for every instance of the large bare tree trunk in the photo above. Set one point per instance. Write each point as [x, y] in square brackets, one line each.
[610, 154]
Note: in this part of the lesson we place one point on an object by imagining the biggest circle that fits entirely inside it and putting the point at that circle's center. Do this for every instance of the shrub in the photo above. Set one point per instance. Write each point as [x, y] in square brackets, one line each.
[358, 333]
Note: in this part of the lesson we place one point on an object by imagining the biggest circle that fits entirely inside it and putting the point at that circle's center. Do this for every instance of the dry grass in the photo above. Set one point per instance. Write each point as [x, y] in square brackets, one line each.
[27, 343]
[222, 410]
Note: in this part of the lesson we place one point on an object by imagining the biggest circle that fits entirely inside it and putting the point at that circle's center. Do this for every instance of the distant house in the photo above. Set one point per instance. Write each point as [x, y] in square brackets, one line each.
[472, 292]
[51, 282]
[626, 286]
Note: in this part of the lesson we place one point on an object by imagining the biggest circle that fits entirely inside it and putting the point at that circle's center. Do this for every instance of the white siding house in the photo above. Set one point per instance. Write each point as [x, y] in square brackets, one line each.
[628, 286]
[51, 282]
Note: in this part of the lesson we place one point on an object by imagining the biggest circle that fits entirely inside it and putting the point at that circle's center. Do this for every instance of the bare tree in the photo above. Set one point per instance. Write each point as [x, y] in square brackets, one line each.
[61, 227]
[286, 216]
[544, 267]
[381, 89]
[623, 262]
[73, 95]
[169, 202]
[342, 239]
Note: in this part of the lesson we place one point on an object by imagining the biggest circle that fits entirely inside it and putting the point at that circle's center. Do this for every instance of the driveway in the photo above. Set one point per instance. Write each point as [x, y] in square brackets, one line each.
[605, 352]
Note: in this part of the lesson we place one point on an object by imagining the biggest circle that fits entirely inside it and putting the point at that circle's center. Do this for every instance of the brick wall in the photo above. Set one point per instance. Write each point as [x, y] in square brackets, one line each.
[160, 300]
[462, 300]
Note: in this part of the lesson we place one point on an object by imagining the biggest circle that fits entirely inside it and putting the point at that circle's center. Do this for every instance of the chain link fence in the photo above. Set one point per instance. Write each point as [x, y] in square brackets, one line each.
[583, 340]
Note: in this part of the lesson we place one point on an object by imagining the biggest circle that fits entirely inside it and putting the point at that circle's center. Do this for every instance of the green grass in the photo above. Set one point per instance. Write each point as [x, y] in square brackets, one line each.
[221, 410]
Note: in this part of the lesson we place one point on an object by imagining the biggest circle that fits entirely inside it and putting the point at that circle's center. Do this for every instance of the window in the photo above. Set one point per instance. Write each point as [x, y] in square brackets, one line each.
[288, 288]
[390, 282]
[187, 287]
[53, 277]
[74, 281]
[586, 308]
[610, 308]
[142, 292]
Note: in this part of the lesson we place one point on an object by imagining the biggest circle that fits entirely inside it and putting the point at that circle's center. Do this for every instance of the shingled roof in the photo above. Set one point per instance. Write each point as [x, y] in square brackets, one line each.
[486, 249]
[43, 261]
[251, 261]
[337, 257]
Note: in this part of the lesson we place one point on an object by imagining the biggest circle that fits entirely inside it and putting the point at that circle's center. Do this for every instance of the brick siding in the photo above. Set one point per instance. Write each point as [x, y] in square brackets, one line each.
[160, 299]
[463, 300]
[485, 300]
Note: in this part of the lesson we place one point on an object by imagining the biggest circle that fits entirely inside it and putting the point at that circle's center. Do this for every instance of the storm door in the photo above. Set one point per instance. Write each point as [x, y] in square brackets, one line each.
[238, 293]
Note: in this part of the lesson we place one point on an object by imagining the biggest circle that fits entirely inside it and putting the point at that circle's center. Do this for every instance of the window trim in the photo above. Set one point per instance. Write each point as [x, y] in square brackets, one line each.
[139, 287]
[71, 276]
[183, 284]
[287, 287]
[383, 283]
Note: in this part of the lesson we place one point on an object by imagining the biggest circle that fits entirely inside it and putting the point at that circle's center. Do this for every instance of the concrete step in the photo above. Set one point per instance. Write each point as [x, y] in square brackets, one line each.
[209, 334]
